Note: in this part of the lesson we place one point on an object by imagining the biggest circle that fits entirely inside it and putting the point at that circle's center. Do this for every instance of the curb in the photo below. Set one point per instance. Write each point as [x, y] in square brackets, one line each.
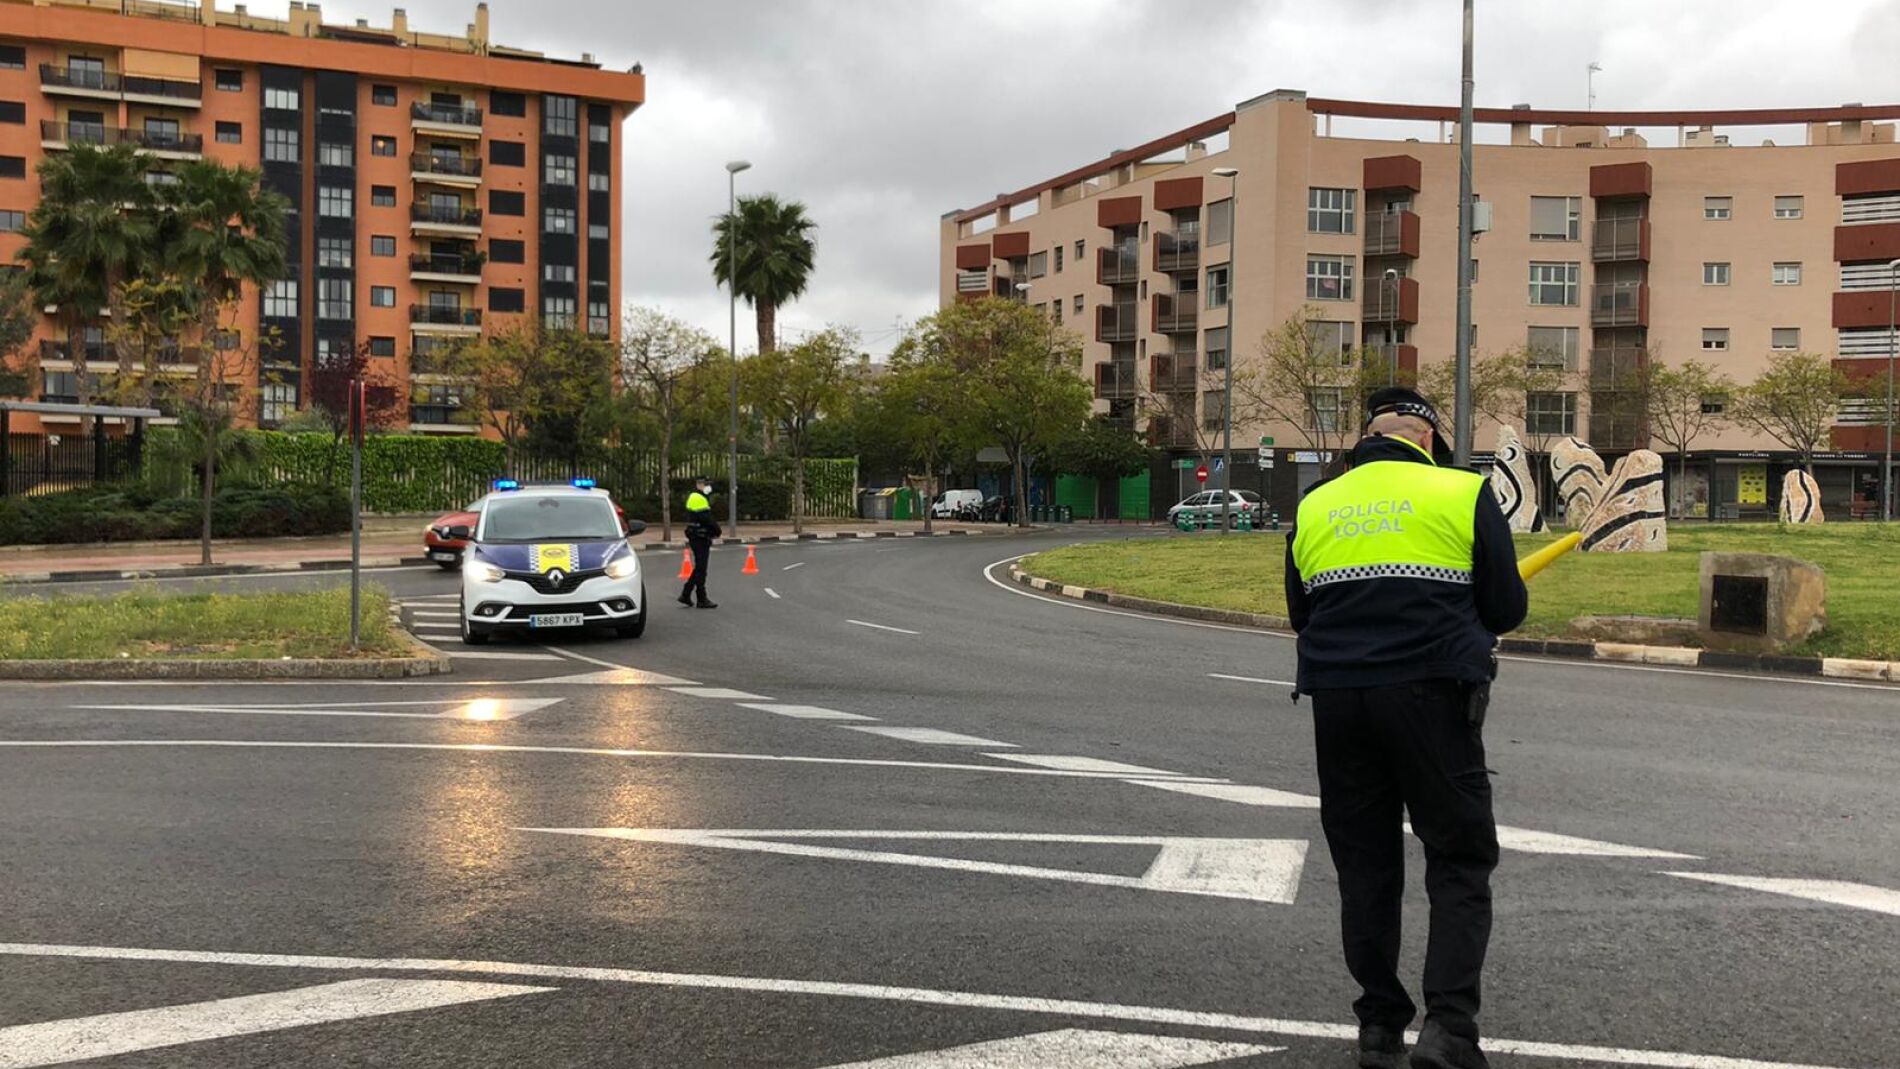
[434, 664]
[203, 571]
[1617, 652]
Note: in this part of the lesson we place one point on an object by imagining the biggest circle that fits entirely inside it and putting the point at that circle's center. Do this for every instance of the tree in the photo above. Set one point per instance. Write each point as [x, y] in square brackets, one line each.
[1497, 390]
[771, 241]
[1304, 380]
[792, 388]
[331, 374]
[1794, 402]
[1678, 402]
[662, 362]
[1172, 400]
[1017, 369]
[18, 318]
[545, 388]
[919, 402]
[1101, 449]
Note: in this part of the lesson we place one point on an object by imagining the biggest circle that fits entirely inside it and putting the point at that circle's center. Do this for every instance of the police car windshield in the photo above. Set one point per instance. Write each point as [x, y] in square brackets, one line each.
[549, 518]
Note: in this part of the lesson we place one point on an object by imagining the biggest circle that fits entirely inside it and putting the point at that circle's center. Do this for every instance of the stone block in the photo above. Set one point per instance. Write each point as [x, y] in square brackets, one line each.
[1801, 499]
[1628, 516]
[1639, 630]
[1759, 603]
[1511, 483]
[1580, 476]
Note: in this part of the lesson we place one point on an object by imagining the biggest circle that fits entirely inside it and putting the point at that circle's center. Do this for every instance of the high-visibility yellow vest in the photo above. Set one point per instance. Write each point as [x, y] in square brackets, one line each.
[1388, 519]
[696, 502]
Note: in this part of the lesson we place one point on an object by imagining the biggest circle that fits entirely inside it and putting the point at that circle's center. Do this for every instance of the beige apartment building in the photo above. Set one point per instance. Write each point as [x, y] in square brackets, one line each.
[1603, 251]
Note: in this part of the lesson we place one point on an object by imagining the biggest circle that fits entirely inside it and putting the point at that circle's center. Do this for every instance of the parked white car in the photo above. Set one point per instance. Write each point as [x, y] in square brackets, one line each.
[950, 502]
[1208, 503]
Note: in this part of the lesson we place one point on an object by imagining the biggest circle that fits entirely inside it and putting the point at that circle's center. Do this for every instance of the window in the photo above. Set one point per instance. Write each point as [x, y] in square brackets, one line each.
[280, 300]
[13, 57]
[1078, 304]
[86, 126]
[511, 104]
[383, 96]
[1784, 339]
[382, 146]
[276, 401]
[1474, 270]
[160, 178]
[1217, 287]
[1550, 413]
[1330, 338]
[228, 80]
[1714, 404]
[597, 318]
[1553, 347]
[558, 170]
[1038, 264]
[507, 154]
[558, 272]
[382, 245]
[282, 99]
[13, 111]
[558, 220]
[1715, 274]
[231, 133]
[558, 312]
[599, 133]
[1553, 283]
[382, 196]
[336, 202]
[1213, 411]
[380, 346]
[1556, 218]
[599, 182]
[1214, 345]
[1787, 274]
[1325, 408]
[504, 251]
[1220, 222]
[334, 299]
[11, 220]
[560, 116]
[504, 202]
[1788, 207]
[1714, 339]
[330, 154]
[382, 296]
[335, 252]
[12, 166]
[281, 145]
[162, 131]
[504, 300]
[597, 231]
[1055, 311]
[1058, 252]
[1329, 278]
[1328, 211]
[1718, 207]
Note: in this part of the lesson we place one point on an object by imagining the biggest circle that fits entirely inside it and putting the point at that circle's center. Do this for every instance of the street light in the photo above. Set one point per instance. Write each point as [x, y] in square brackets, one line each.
[1232, 174]
[1391, 313]
[732, 336]
[1886, 456]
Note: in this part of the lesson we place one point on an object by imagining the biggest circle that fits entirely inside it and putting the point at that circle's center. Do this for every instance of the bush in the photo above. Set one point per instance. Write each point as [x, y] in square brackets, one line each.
[131, 513]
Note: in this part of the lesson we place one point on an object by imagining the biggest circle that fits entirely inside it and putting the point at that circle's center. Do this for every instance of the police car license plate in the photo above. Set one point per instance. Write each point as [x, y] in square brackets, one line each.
[442, 556]
[556, 619]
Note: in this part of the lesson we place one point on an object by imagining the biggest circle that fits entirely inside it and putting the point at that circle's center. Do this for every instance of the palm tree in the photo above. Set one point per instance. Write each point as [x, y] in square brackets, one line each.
[90, 233]
[774, 249]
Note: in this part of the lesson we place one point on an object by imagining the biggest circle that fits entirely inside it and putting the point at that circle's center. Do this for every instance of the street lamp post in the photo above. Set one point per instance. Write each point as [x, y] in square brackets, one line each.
[1232, 175]
[1461, 371]
[1886, 456]
[732, 338]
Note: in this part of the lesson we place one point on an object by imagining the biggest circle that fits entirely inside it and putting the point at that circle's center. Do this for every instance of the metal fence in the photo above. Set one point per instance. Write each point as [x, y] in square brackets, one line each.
[44, 464]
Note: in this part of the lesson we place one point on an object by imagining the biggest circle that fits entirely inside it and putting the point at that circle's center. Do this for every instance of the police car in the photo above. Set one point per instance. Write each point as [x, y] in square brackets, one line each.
[544, 557]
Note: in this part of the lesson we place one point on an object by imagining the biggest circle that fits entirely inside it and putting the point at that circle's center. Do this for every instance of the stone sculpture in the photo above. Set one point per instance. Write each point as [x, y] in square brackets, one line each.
[1580, 478]
[1800, 498]
[1628, 517]
[1511, 483]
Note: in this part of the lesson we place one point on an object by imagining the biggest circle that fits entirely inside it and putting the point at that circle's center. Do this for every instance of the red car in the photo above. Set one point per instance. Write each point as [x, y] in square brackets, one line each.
[445, 551]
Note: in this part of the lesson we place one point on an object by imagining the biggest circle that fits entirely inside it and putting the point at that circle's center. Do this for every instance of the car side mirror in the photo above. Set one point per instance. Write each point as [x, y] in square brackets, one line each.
[635, 527]
[461, 531]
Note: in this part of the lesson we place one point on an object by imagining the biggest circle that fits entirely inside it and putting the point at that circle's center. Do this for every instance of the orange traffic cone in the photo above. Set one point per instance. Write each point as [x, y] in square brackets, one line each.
[751, 563]
[686, 564]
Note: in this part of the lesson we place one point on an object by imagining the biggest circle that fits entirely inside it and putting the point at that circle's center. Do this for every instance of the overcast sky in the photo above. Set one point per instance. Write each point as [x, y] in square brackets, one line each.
[881, 115]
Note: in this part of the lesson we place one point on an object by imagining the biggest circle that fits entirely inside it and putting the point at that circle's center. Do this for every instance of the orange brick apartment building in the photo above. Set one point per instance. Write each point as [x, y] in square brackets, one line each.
[1603, 251]
[441, 186]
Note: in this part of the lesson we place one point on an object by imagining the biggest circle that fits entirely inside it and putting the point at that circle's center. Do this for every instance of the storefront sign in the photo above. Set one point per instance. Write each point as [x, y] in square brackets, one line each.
[1751, 484]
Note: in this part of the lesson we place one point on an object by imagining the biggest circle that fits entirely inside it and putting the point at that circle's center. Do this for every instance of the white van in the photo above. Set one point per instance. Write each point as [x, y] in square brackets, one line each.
[949, 502]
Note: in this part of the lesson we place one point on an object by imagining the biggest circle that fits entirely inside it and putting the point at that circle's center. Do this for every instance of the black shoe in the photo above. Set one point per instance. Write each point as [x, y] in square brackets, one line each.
[1439, 1049]
[707, 605]
[1381, 1047]
[685, 599]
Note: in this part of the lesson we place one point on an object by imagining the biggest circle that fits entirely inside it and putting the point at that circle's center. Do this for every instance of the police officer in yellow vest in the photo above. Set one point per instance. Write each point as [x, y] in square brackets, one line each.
[1400, 574]
[701, 529]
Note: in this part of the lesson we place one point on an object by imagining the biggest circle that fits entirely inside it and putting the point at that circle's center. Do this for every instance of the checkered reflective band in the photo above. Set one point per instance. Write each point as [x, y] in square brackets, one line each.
[1359, 572]
[1406, 408]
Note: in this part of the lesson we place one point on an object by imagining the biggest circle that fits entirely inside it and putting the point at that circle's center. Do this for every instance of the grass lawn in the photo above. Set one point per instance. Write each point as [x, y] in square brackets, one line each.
[1245, 572]
[147, 625]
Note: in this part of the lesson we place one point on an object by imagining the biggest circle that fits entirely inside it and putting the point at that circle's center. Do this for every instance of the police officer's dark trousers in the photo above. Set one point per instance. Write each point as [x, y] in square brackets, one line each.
[1385, 752]
[696, 585]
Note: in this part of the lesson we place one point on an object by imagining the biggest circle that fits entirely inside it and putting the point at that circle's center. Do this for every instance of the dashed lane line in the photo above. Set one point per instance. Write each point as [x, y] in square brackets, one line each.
[497, 655]
[725, 693]
[927, 736]
[770, 593]
[883, 627]
[1252, 679]
[789, 567]
[1073, 1048]
[803, 712]
[1070, 763]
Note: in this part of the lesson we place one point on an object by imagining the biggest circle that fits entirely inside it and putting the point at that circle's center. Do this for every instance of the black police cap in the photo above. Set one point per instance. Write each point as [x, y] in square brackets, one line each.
[1399, 400]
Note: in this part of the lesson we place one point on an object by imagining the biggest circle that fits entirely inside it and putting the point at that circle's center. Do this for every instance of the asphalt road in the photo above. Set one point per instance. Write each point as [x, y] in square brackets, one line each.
[881, 808]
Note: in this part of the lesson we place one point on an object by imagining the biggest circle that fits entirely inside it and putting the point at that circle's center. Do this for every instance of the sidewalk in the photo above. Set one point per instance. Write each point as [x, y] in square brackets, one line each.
[387, 542]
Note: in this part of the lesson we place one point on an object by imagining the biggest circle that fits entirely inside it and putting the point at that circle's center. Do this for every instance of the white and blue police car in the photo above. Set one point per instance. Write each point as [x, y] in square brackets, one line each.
[545, 557]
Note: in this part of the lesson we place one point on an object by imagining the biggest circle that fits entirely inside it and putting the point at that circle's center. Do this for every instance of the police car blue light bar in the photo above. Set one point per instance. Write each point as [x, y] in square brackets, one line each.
[507, 484]
[584, 484]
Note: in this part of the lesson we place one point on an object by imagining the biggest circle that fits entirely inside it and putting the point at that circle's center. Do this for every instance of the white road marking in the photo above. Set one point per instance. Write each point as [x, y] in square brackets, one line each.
[883, 627]
[720, 692]
[652, 677]
[105, 1035]
[448, 614]
[1256, 870]
[1236, 792]
[1072, 1048]
[789, 567]
[773, 594]
[616, 677]
[493, 655]
[1833, 892]
[1069, 763]
[803, 712]
[1526, 841]
[928, 736]
[428, 598]
[479, 748]
[917, 996]
[1252, 679]
[454, 709]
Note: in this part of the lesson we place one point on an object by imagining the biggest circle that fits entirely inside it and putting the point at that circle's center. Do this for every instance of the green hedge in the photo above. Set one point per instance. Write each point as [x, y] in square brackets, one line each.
[135, 513]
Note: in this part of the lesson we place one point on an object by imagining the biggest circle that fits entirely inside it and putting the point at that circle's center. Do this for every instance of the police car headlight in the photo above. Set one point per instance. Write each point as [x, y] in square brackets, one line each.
[481, 571]
[623, 567]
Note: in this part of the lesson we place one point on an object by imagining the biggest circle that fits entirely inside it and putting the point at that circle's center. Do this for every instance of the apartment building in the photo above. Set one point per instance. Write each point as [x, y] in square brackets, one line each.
[440, 185]
[1603, 252]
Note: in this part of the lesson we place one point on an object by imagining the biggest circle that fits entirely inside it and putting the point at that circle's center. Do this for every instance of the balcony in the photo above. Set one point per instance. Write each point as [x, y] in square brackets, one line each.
[446, 169]
[59, 135]
[1168, 433]
[1117, 266]
[1620, 304]
[449, 119]
[1617, 367]
[1177, 252]
[1175, 313]
[1392, 234]
[1386, 302]
[425, 267]
[1173, 373]
[1116, 322]
[435, 415]
[444, 319]
[1863, 308]
[61, 351]
[1398, 362]
[433, 218]
[1115, 382]
[1614, 240]
[95, 84]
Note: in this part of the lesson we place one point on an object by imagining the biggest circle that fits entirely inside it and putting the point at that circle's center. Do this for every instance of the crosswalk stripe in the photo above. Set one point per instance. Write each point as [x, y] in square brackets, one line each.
[1833, 892]
[803, 712]
[719, 692]
[448, 613]
[1073, 1048]
[105, 1035]
[927, 736]
[487, 655]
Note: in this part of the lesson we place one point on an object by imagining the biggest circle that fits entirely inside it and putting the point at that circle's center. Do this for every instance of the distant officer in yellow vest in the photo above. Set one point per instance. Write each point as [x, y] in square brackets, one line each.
[701, 529]
[1400, 574]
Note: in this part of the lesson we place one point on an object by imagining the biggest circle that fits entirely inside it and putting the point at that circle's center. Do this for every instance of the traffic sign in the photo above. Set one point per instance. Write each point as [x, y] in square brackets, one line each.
[1220, 463]
[1266, 440]
[1200, 473]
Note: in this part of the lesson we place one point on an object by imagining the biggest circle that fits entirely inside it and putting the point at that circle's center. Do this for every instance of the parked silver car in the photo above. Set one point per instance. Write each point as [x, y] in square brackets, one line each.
[1207, 504]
